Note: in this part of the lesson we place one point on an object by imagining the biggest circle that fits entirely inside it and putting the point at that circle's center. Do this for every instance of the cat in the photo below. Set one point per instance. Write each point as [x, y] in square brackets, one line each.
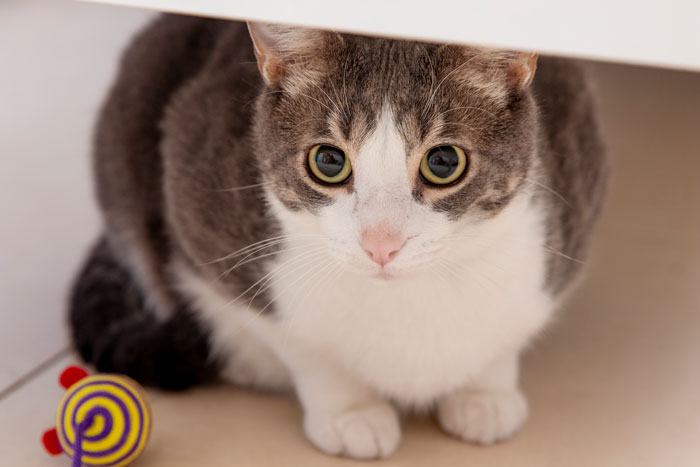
[380, 225]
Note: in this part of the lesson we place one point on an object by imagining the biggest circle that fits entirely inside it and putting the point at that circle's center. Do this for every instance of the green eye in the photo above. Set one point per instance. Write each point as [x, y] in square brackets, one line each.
[443, 165]
[329, 164]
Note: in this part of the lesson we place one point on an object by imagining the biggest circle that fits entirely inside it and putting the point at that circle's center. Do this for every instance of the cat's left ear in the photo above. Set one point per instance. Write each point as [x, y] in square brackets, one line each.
[494, 69]
[279, 49]
[521, 69]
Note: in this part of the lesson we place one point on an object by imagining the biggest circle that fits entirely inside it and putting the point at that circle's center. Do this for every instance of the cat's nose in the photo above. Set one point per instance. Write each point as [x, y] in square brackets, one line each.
[381, 246]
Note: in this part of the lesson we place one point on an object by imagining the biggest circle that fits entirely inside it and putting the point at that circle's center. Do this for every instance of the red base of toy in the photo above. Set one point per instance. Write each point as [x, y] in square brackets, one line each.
[50, 441]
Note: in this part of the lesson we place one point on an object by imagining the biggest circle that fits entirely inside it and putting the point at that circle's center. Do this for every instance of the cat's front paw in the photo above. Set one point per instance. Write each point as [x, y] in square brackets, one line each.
[483, 417]
[370, 432]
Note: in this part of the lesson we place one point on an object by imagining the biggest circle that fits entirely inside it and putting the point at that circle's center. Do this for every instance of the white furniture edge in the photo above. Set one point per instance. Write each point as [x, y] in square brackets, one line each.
[643, 32]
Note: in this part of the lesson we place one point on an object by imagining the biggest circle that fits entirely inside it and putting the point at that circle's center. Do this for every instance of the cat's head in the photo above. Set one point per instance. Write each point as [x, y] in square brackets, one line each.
[390, 150]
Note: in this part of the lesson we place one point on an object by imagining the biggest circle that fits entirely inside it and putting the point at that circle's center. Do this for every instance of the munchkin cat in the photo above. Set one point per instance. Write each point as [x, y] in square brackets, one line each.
[379, 225]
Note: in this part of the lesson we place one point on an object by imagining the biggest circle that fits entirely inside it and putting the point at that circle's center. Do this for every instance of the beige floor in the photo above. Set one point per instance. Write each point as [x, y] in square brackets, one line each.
[616, 382]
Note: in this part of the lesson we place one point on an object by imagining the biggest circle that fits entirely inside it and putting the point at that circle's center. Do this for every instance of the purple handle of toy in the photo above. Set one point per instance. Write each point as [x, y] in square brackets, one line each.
[80, 430]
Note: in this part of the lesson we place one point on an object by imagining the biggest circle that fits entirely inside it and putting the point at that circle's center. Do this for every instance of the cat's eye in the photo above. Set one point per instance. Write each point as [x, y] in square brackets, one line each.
[443, 165]
[329, 164]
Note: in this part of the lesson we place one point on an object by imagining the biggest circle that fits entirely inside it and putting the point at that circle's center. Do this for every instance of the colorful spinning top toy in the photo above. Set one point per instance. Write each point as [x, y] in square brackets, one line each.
[103, 420]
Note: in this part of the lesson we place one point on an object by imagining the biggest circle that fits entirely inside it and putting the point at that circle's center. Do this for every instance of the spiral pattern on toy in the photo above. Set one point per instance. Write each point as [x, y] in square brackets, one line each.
[104, 420]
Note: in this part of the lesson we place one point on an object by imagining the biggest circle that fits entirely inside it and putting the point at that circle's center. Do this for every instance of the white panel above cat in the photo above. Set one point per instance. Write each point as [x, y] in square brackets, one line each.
[643, 32]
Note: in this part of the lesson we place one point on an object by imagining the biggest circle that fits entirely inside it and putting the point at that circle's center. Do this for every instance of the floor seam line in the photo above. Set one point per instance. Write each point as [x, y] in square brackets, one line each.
[33, 373]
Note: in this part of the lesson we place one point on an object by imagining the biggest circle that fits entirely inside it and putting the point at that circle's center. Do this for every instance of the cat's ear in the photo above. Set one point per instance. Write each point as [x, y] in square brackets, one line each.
[279, 48]
[521, 69]
[497, 70]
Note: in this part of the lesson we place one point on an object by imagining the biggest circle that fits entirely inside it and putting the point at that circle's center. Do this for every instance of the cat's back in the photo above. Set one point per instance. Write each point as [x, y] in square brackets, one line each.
[562, 89]
[161, 60]
[172, 48]
[572, 156]
[151, 103]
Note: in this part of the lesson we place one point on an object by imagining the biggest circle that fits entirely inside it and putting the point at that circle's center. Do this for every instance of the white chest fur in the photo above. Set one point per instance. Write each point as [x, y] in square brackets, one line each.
[412, 339]
[418, 337]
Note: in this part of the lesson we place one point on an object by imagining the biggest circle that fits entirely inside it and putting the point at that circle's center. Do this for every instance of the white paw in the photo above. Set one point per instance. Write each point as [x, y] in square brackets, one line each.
[483, 417]
[370, 432]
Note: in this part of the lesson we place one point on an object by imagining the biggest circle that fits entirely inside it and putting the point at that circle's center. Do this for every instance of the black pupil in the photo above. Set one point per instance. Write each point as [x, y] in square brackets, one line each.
[443, 161]
[330, 161]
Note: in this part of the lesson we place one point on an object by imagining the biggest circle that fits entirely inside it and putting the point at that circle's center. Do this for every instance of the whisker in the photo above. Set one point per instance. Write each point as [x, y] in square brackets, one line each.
[337, 109]
[562, 254]
[273, 280]
[245, 260]
[324, 120]
[267, 278]
[466, 108]
[264, 246]
[438, 128]
[263, 94]
[323, 270]
[432, 67]
[345, 89]
[460, 269]
[551, 190]
[305, 274]
[330, 276]
[245, 249]
[463, 234]
[275, 270]
[238, 188]
[432, 95]
[315, 100]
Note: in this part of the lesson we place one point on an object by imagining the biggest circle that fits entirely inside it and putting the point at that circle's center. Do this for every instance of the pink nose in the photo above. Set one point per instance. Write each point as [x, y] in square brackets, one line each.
[381, 247]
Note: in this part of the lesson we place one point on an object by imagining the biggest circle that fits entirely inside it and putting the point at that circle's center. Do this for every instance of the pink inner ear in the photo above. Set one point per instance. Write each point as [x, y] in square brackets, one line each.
[522, 70]
[71, 375]
[264, 44]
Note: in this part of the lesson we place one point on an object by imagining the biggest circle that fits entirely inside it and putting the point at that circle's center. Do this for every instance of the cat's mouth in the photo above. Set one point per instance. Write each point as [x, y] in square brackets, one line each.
[385, 275]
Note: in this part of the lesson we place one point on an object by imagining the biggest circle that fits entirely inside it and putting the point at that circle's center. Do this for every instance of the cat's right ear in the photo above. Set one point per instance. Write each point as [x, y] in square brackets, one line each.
[279, 48]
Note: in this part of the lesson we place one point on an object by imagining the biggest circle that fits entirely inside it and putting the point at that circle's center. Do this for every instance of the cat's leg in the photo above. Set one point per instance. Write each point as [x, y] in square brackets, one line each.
[490, 409]
[249, 362]
[341, 416]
